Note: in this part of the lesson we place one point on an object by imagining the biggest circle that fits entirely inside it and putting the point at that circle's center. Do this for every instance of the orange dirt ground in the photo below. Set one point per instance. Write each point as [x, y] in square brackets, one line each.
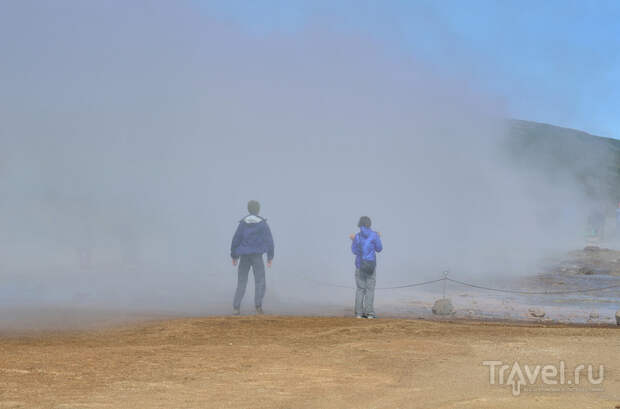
[298, 362]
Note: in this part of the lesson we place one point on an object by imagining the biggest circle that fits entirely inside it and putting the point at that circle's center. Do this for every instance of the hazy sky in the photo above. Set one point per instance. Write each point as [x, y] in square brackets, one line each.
[548, 61]
[133, 134]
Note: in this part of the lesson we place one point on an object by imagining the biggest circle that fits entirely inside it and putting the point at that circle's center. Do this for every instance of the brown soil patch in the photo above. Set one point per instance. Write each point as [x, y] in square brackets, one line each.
[297, 362]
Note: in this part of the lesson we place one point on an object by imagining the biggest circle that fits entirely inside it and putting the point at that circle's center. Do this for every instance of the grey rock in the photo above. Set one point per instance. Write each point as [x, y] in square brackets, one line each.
[443, 307]
[537, 312]
[590, 270]
[594, 315]
[618, 317]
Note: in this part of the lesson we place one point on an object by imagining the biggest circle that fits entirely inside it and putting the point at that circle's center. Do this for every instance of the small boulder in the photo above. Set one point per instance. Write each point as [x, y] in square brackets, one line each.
[594, 316]
[537, 312]
[618, 317]
[443, 307]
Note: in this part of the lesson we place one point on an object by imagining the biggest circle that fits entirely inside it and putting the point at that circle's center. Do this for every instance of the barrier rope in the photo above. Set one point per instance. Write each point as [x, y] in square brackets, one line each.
[481, 287]
[411, 285]
[377, 288]
[587, 290]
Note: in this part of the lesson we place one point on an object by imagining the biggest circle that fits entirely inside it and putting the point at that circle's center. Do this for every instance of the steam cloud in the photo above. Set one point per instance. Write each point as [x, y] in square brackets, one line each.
[134, 136]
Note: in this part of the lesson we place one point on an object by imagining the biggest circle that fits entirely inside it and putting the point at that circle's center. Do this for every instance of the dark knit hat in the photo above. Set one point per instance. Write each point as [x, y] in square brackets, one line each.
[364, 221]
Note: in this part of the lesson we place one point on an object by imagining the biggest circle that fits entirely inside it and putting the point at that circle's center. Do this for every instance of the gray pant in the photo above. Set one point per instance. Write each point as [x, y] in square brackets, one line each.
[365, 294]
[258, 267]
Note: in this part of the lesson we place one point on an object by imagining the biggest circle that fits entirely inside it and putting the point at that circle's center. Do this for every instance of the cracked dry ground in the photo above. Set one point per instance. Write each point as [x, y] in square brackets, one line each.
[297, 362]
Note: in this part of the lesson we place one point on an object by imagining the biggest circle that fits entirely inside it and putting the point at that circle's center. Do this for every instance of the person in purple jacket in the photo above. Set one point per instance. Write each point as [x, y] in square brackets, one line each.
[251, 240]
[365, 245]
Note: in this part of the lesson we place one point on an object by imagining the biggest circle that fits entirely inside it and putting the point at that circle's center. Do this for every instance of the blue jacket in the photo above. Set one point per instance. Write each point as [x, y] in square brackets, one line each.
[365, 244]
[253, 236]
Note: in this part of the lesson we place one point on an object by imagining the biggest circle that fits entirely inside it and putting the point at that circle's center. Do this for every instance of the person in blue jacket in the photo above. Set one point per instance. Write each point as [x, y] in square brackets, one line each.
[365, 245]
[251, 240]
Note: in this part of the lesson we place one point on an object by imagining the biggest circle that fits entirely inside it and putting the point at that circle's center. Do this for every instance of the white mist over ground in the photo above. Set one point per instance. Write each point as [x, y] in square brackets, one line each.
[133, 137]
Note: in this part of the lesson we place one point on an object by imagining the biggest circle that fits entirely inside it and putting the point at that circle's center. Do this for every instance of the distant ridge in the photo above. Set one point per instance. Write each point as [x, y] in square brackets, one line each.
[558, 152]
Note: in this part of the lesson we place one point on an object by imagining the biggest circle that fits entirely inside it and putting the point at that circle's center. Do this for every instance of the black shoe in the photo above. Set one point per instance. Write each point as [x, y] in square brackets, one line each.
[259, 311]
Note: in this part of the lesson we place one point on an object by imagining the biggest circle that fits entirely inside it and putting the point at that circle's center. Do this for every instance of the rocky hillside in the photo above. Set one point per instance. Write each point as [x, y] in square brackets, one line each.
[557, 152]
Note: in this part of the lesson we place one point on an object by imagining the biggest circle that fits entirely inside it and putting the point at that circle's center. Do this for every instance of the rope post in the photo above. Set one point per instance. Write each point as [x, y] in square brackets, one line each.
[443, 306]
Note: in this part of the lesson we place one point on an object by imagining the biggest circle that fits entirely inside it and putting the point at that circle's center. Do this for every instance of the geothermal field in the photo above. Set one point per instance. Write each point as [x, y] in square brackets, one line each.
[303, 362]
[152, 151]
[318, 356]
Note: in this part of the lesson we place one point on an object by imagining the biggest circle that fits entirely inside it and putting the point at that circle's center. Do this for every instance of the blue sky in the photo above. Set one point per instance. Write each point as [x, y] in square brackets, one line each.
[548, 61]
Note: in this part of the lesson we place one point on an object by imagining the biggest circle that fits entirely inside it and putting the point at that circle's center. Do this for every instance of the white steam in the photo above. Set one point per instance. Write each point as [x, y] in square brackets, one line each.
[132, 142]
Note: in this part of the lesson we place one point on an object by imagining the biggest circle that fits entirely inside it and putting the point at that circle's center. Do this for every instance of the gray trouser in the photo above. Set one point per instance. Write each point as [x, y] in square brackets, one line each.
[258, 267]
[365, 294]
